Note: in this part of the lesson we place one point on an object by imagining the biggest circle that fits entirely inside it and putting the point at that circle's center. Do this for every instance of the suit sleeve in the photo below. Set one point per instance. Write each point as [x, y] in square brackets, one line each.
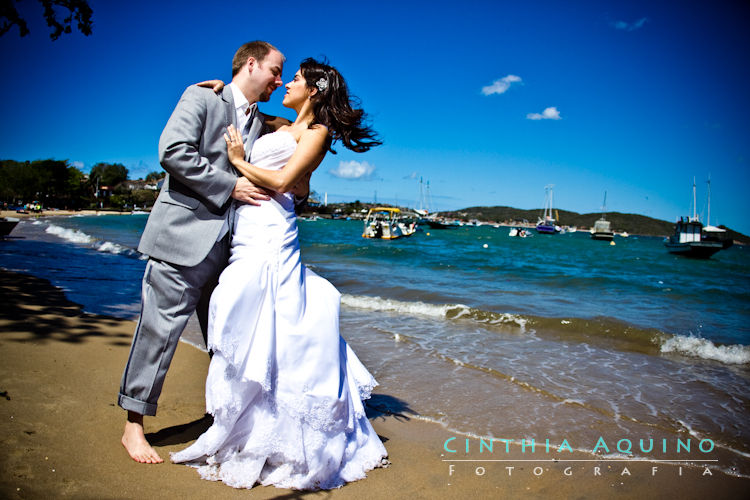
[179, 151]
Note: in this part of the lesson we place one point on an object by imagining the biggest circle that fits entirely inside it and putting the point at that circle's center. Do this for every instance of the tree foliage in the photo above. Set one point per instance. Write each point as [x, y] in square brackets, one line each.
[53, 182]
[78, 10]
[155, 176]
[108, 174]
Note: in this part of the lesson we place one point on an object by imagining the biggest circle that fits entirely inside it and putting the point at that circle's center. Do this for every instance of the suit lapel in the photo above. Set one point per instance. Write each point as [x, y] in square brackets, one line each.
[255, 130]
[231, 116]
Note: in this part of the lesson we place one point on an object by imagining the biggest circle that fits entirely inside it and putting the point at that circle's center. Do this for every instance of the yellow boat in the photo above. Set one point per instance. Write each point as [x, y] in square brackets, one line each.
[387, 223]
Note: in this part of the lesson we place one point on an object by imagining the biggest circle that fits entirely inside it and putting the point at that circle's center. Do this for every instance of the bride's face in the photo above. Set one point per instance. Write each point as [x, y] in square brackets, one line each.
[297, 92]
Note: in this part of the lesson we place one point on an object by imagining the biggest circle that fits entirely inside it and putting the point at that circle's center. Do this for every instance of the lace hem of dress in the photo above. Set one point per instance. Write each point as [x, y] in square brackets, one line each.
[286, 447]
[246, 471]
[230, 396]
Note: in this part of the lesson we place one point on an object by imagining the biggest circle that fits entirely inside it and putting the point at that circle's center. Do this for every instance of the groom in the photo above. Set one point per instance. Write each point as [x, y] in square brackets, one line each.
[187, 234]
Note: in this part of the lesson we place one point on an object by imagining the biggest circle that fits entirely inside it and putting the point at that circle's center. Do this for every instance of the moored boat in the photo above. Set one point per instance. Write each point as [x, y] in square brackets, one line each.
[436, 223]
[387, 223]
[692, 239]
[686, 240]
[547, 224]
[602, 229]
[425, 217]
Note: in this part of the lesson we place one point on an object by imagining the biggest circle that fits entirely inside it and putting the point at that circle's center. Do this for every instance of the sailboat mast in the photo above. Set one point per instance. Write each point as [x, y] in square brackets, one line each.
[421, 196]
[548, 201]
[708, 218]
[695, 215]
[551, 201]
[428, 198]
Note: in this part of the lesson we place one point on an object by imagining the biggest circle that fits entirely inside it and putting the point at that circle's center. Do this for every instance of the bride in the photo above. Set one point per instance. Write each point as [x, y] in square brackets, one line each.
[283, 386]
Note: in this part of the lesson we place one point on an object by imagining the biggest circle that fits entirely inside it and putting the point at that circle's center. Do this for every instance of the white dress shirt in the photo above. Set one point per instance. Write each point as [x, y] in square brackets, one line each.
[244, 112]
[242, 108]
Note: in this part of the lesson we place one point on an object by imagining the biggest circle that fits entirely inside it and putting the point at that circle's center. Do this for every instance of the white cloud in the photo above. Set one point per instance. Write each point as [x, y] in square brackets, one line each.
[353, 170]
[624, 26]
[548, 114]
[77, 164]
[412, 175]
[501, 86]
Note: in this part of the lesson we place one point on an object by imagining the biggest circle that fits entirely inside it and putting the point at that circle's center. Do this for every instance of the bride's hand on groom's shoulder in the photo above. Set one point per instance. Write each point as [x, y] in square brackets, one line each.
[216, 85]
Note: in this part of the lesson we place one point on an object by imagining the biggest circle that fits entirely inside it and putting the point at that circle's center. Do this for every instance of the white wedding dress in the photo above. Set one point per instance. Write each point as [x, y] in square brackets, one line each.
[284, 388]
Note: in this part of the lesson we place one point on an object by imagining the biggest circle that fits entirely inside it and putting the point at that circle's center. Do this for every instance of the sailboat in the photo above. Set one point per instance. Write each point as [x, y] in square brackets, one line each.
[713, 233]
[692, 239]
[547, 224]
[432, 220]
[602, 229]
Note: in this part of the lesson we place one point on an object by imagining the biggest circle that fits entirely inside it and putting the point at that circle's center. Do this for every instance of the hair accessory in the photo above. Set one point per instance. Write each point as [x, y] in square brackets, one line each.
[322, 84]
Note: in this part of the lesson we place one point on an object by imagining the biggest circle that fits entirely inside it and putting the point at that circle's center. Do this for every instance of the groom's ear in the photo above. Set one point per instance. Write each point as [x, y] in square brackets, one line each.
[251, 64]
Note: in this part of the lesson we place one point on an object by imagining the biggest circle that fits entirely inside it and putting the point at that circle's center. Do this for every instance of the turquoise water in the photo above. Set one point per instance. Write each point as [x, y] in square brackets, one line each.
[563, 276]
[557, 337]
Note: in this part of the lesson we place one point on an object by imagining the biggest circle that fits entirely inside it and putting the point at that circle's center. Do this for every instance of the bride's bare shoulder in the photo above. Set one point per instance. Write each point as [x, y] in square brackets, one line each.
[316, 130]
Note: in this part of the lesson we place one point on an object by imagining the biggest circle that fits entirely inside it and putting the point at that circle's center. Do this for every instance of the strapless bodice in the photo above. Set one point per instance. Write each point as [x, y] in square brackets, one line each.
[272, 151]
[273, 223]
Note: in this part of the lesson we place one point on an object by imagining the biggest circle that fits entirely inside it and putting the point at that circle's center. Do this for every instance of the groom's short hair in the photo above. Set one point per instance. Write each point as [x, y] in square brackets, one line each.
[257, 49]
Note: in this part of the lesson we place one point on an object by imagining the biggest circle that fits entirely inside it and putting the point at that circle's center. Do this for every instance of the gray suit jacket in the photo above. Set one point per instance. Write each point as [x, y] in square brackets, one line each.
[194, 201]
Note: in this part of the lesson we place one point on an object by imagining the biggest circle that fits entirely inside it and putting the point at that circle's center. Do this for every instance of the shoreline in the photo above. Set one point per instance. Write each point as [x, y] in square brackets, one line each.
[61, 427]
[68, 213]
[60, 213]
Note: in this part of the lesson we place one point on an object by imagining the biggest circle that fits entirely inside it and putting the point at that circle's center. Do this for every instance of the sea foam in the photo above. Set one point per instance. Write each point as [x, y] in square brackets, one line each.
[72, 235]
[76, 236]
[702, 348]
[390, 305]
[439, 311]
[109, 247]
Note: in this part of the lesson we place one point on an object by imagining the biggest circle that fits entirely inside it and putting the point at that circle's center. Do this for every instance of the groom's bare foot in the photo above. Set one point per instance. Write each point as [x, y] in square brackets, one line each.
[134, 441]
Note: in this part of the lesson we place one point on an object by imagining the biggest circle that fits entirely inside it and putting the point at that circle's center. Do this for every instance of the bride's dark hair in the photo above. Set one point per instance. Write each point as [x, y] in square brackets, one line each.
[335, 108]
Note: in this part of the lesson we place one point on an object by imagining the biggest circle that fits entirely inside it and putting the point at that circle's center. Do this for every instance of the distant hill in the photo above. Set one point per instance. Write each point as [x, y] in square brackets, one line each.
[632, 223]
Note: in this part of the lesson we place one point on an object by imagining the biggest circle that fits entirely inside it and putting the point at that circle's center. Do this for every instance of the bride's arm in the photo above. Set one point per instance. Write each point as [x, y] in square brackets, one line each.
[302, 188]
[216, 85]
[306, 158]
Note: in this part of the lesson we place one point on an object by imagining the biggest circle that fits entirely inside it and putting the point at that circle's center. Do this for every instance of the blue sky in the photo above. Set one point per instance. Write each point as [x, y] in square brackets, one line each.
[489, 101]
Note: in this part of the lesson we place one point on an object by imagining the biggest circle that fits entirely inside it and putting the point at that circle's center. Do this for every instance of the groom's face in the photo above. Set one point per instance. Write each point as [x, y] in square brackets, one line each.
[266, 75]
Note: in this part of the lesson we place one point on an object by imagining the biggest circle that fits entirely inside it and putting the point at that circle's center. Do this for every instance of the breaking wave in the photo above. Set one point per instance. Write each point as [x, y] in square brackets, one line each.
[438, 311]
[76, 236]
[701, 348]
[614, 333]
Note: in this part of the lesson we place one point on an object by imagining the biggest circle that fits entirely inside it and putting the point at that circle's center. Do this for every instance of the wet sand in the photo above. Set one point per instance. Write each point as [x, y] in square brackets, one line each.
[60, 428]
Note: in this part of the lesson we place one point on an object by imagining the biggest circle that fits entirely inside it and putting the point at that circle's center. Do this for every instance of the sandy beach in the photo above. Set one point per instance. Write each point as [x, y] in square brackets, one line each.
[60, 428]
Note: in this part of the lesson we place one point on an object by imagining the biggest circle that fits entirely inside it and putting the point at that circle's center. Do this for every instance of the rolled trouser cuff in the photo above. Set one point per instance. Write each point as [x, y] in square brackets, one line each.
[140, 407]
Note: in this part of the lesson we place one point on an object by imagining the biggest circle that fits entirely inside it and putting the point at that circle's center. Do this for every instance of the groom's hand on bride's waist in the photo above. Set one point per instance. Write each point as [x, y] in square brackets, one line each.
[247, 192]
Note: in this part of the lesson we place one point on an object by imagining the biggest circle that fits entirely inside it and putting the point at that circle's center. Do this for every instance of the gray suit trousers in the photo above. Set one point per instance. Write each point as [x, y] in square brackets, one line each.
[170, 295]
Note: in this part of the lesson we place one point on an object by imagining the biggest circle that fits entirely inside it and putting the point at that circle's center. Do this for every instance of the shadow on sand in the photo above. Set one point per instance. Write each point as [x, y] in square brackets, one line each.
[34, 307]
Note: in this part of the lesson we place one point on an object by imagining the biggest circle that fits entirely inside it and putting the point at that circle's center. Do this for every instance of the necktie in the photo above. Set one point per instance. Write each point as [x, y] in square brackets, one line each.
[247, 138]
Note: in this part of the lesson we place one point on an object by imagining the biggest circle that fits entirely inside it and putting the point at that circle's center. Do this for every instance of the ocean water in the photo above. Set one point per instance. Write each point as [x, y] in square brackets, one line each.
[550, 337]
